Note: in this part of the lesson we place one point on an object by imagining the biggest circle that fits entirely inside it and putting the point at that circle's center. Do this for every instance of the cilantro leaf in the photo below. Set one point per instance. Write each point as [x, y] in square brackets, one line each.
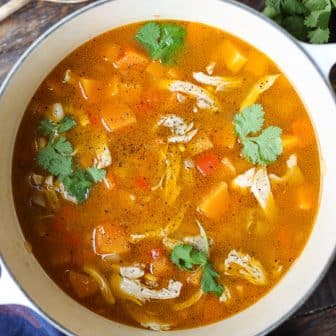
[319, 35]
[96, 174]
[161, 40]
[264, 148]
[208, 280]
[78, 185]
[62, 146]
[293, 7]
[296, 26]
[186, 257]
[46, 127]
[307, 20]
[66, 124]
[148, 36]
[54, 162]
[250, 120]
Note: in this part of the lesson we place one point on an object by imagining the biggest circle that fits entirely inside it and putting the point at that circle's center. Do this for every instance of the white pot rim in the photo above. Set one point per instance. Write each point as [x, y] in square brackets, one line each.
[89, 7]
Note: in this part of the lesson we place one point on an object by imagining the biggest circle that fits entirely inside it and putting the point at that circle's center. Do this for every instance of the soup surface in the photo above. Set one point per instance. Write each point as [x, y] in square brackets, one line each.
[166, 175]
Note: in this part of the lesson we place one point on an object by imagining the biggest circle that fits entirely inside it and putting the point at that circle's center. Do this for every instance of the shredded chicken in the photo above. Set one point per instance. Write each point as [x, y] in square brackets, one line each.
[245, 267]
[104, 158]
[155, 326]
[142, 293]
[181, 131]
[204, 99]
[132, 272]
[221, 83]
[256, 179]
[210, 68]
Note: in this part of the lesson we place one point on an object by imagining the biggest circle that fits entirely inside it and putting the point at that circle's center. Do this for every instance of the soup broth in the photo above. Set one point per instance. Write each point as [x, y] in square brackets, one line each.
[166, 175]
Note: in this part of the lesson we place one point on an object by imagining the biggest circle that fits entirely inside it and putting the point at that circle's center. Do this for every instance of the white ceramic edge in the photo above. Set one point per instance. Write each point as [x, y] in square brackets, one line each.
[324, 56]
[40, 40]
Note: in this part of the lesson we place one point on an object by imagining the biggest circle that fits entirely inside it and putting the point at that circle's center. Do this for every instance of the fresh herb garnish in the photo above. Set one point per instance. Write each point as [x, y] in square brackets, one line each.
[187, 258]
[264, 148]
[80, 182]
[57, 159]
[161, 40]
[308, 20]
[50, 128]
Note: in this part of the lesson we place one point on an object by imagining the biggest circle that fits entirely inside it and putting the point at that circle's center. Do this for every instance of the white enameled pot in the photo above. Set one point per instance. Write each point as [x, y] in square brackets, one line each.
[306, 66]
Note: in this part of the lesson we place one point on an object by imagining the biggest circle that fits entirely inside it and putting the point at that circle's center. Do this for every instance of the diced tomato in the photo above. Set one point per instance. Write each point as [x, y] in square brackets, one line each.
[111, 238]
[207, 163]
[142, 183]
[82, 284]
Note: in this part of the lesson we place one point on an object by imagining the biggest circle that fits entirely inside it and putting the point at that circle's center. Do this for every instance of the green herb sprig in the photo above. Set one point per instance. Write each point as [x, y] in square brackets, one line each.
[161, 40]
[188, 258]
[307, 20]
[264, 148]
[57, 159]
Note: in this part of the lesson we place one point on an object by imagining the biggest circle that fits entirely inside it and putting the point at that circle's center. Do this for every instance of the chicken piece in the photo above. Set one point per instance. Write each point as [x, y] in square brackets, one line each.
[245, 267]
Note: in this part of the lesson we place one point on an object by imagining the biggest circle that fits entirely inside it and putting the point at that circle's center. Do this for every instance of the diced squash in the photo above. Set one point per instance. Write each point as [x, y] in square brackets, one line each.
[91, 89]
[233, 58]
[199, 144]
[110, 238]
[215, 203]
[258, 88]
[116, 116]
[82, 284]
[156, 70]
[111, 52]
[112, 87]
[305, 197]
[225, 136]
[131, 58]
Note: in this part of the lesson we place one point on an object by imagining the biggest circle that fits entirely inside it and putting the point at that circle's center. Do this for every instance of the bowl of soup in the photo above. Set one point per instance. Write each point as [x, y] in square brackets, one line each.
[167, 168]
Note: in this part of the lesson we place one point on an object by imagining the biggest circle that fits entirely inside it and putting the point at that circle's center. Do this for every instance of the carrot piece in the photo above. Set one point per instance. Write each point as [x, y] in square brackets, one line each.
[82, 284]
[131, 58]
[215, 203]
[141, 183]
[111, 238]
[116, 116]
[207, 163]
[233, 58]
[305, 197]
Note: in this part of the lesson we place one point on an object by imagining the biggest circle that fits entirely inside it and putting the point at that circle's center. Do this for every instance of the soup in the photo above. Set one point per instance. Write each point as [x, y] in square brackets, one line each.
[166, 175]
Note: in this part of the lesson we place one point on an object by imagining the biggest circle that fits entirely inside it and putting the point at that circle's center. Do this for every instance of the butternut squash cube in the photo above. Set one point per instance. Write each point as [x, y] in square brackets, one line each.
[215, 203]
